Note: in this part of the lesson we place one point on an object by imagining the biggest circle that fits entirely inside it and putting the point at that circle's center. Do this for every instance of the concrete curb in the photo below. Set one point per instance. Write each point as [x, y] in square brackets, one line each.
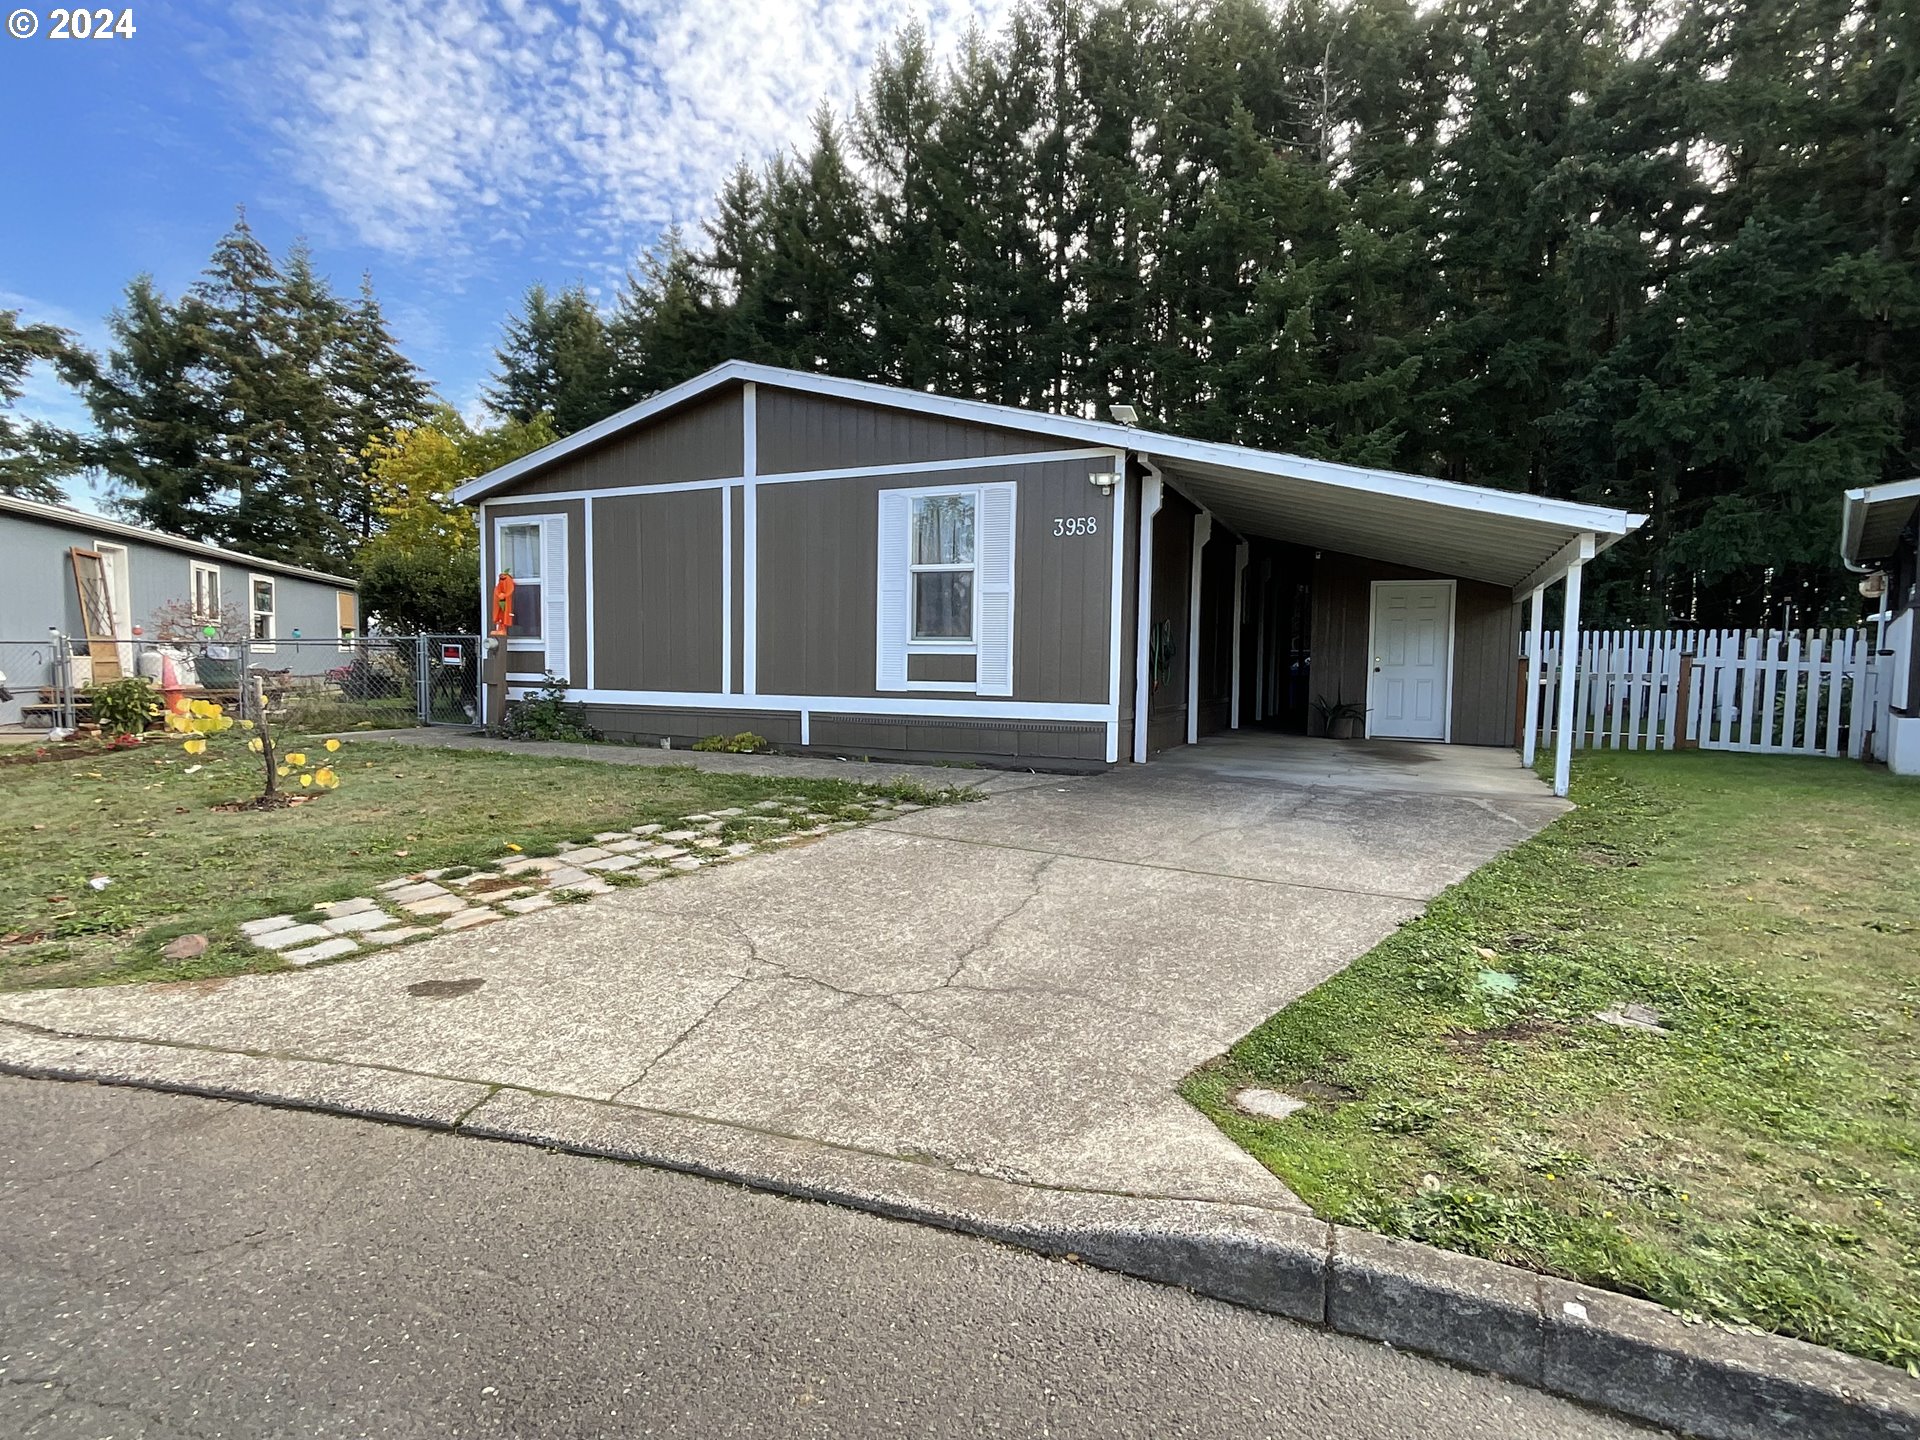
[1604, 1349]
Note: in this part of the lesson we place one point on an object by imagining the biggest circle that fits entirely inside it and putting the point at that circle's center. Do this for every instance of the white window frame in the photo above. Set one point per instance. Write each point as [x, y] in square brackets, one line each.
[554, 582]
[201, 616]
[949, 645]
[894, 651]
[270, 644]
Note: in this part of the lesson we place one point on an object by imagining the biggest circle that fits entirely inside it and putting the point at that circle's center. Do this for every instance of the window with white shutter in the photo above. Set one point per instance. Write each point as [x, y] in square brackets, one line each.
[533, 549]
[946, 585]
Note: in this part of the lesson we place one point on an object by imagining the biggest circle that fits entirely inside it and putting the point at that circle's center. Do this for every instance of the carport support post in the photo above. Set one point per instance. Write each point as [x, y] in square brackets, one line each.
[1569, 673]
[1202, 531]
[1152, 493]
[1536, 613]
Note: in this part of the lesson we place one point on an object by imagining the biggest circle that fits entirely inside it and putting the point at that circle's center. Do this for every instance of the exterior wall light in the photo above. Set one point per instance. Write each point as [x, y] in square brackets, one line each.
[1105, 479]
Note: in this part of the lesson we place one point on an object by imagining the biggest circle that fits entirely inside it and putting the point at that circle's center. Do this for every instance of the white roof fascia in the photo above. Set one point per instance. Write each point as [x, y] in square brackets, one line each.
[1576, 551]
[1858, 502]
[1571, 514]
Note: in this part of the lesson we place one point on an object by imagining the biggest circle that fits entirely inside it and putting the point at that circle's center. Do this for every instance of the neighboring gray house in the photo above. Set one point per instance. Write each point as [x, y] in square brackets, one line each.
[143, 571]
[860, 568]
[1880, 536]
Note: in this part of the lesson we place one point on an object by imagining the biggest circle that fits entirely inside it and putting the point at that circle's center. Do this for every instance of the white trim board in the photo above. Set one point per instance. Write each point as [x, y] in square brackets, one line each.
[1453, 636]
[884, 705]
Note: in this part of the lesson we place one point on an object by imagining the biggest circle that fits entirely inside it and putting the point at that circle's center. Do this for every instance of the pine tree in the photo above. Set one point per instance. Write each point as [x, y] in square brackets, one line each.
[555, 360]
[34, 455]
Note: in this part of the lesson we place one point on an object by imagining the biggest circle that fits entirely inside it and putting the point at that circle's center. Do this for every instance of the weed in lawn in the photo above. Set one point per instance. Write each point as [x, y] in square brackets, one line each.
[1760, 1162]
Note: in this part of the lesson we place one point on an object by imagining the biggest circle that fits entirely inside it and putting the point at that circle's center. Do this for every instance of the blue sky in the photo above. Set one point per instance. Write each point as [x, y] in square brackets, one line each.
[457, 149]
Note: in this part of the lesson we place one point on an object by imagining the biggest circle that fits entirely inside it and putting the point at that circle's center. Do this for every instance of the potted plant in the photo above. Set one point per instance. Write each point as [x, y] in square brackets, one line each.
[1338, 719]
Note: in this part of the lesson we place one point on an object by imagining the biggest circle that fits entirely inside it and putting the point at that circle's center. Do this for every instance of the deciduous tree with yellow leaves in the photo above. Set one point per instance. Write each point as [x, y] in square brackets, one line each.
[199, 719]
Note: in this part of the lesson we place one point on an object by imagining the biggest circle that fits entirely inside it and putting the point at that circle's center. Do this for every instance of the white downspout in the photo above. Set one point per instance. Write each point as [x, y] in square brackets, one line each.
[1536, 615]
[1152, 495]
[1202, 532]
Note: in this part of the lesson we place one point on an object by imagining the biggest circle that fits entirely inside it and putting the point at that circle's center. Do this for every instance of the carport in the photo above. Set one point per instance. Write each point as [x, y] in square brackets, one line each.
[1413, 584]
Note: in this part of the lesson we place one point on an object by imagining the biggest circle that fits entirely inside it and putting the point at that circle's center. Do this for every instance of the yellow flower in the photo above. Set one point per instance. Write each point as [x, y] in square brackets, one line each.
[256, 744]
[297, 758]
[306, 781]
[194, 747]
[325, 778]
[332, 745]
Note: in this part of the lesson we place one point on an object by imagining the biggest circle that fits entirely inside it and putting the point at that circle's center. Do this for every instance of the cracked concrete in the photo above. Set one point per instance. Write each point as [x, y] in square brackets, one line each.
[1012, 988]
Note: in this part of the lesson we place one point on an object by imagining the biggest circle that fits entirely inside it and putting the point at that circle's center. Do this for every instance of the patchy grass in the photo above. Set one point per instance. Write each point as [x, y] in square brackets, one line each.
[1760, 1163]
[178, 867]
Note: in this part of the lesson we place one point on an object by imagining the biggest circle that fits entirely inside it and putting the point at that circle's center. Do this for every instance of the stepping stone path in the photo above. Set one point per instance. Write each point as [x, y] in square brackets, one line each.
[436, 902]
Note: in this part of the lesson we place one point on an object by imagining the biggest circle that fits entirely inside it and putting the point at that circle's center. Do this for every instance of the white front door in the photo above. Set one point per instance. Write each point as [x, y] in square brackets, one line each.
[1409, 691]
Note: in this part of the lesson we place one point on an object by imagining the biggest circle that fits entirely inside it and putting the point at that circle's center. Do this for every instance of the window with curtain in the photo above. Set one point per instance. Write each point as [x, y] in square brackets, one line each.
[942, 566]
[520, 557]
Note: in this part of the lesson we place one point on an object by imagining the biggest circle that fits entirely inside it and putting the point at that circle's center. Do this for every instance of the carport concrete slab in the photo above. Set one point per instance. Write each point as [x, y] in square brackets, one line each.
[1011, 988]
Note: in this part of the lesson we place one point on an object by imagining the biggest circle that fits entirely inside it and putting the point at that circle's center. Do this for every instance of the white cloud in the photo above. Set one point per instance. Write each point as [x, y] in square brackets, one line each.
[434, 127]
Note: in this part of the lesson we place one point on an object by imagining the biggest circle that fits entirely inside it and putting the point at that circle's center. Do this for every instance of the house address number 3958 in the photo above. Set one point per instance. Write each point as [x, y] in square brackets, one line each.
[1076, 525]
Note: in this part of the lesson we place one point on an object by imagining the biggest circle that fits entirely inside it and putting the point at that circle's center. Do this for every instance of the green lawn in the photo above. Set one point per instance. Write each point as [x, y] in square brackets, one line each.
[178, 866]
[1759, 1163]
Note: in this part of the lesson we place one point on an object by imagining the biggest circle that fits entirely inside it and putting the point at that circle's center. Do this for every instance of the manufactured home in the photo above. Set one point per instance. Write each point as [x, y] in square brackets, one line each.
[865, 569]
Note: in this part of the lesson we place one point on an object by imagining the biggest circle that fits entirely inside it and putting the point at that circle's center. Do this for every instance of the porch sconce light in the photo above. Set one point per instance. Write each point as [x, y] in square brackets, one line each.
[1105, 479]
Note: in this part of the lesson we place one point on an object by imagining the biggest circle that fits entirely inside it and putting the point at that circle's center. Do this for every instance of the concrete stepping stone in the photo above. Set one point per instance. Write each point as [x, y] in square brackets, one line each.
[587, 885]
[614, 863]
[665, 852]
[695, 819]
[679, 836]
[730, 812]
[583, 855]
[441, 904]
[605, 835]
[358, 905]
[626, 846]
[420, 890]
[739, 847]
[686, 862]
[358, 921]
[253, 929]
[643, 831]
[565, 877]
[327, 950]
[288, 936]
[527, 904]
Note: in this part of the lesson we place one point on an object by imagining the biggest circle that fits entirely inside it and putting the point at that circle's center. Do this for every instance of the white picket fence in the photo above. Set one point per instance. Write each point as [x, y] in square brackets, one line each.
[1815, 692]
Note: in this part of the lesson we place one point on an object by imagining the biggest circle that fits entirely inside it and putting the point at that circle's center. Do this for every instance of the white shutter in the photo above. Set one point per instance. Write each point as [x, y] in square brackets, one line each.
[553, 591]
[995, 579]
[896, 584]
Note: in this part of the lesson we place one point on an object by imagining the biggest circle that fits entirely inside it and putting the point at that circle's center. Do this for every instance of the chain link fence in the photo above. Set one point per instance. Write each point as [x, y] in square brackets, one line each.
[358, 683]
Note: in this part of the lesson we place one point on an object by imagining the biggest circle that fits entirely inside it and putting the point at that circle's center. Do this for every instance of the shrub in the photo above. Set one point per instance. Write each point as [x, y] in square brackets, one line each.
[125, 706]
[547, 714]
[745, 743]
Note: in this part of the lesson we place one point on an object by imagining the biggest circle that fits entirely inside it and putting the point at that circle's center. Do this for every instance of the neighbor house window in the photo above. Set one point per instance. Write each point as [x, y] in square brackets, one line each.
[260, 610]
[206, 593]
[942, 565]
[520, 557]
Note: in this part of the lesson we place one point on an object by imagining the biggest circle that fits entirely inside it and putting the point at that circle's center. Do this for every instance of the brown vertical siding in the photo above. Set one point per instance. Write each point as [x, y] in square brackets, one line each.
[701, 441]
[819, 575]
[1486, 638]
[958, 668]
[812, 432]
[1217, 561]
[658, 577]
[576, 513]
[1172, 581]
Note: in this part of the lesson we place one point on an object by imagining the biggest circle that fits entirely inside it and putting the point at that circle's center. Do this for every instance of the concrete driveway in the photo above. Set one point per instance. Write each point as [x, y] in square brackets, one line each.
[1012, 988]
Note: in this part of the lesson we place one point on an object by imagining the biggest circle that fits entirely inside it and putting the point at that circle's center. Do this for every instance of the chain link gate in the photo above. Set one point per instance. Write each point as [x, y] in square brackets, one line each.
[448, 679]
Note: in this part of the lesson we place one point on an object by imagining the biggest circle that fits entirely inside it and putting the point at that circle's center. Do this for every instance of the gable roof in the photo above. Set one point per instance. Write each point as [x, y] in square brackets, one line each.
[67, 516]
[1501, 536]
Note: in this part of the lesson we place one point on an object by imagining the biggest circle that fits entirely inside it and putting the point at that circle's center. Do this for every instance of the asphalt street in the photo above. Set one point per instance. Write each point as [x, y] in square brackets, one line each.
[184, 1267]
